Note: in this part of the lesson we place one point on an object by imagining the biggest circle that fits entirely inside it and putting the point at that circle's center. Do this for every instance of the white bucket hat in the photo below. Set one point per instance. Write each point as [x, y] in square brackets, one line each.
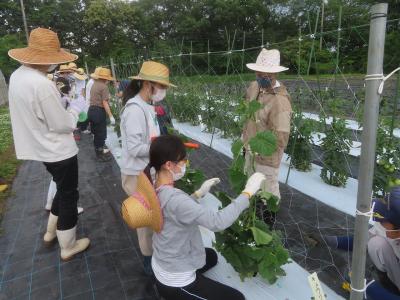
[268, 61]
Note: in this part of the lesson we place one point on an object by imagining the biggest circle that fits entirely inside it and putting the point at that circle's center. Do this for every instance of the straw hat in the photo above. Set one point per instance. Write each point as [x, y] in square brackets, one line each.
[142, 209]
[94, 74]
[65, 69]
[268, 61]
[73, 66]
[80, 74]
[102, 73]
[155, 72]
[43, 49]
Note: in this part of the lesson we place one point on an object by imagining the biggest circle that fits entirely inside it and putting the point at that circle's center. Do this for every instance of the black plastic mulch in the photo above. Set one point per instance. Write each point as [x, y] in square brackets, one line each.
[112, 268]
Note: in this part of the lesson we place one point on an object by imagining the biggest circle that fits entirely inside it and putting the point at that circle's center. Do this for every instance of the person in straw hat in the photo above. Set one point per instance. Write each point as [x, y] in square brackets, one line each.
[138, 127]
[180, 258]
[42, 131]
[274, 115]
[98, 111]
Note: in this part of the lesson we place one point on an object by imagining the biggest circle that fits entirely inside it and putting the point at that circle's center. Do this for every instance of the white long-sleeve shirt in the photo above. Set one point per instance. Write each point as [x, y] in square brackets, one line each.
[42, 128]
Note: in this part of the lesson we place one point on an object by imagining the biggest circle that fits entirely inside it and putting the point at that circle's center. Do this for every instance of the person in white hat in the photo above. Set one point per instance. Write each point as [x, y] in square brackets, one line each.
[274, 115]
[42, 131]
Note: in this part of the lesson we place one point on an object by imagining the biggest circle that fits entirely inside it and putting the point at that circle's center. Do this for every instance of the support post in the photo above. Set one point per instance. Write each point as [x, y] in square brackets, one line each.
[190, 57]
[338, 47]
[113, 69]
[367, 159]
[312, 52]
[299, 56]
[208, 57]
[86, 68]
[24, 20]
[244, 41]
[322, 24]
[395, 106]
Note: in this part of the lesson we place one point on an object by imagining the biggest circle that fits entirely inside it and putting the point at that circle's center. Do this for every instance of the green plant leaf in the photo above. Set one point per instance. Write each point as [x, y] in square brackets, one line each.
[261, 237]
[237, 147]
[264, 143]
[237, 179]
[253, 107]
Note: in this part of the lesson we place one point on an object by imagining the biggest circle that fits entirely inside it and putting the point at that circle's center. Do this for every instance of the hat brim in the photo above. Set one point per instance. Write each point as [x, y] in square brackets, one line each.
[80, 76]
[163, 82]
[37, 57]
[264, 69]
[102, 77]
[145, 187]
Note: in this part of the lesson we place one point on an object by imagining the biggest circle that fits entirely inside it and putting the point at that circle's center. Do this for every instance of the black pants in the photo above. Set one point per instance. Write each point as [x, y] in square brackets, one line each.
[83, 125]
[65, 203]
[202, 287]
[98, 125]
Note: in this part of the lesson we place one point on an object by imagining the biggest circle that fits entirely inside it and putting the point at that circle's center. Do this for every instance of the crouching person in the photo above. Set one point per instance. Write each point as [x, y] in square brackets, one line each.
[42, 130]
[179, 257]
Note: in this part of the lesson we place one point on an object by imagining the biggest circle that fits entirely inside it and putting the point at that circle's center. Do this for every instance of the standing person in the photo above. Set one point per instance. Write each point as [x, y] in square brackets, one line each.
[274, 115]
[80, 86]
[138, 127]
[180, 258]
[42, 131]
[98, 111]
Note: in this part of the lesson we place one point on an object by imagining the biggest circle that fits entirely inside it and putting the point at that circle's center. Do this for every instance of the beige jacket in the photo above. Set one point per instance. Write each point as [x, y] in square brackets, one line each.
[274, 115]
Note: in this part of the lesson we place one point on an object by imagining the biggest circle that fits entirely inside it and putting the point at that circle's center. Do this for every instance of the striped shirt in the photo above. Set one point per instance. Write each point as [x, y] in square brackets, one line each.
[180, 279]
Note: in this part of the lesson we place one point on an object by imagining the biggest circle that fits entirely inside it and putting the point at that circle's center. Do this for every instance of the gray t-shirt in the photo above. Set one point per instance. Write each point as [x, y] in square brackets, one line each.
[179, 246]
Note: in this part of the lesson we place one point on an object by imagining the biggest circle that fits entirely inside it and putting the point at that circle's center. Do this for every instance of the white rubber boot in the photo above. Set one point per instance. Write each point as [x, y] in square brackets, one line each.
[50, 235]
[69, 245]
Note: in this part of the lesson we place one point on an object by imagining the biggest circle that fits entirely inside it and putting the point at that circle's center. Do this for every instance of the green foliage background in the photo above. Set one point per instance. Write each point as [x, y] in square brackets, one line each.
[127, 30]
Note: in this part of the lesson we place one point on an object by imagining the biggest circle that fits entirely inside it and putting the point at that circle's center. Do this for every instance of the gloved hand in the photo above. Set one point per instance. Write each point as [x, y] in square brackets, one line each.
[205, 187]
[254, 183]
[79, 105]
[112, 120]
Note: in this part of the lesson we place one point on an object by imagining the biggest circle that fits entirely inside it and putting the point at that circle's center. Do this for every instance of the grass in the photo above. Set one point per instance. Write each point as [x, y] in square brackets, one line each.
[8, 162]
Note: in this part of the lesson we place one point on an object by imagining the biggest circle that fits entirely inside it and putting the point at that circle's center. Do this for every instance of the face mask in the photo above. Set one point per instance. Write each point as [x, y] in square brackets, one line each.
[159, 95]
[177, 176]
[381, 231]
[51, 68]
[264, 82]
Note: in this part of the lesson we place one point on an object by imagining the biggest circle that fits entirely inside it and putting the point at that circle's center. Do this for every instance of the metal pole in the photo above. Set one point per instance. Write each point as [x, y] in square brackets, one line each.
[244, 40]
[208, 56]
[113, 69]
[86, 68]
[24, 20]
[313, 40]
[299, 57]
[367, 159]
[322, 24]
[395, 105]
[338, 47]
[190, 57]
[262, 38]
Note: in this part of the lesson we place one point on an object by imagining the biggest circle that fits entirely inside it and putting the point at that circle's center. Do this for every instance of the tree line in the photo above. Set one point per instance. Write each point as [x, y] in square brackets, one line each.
[99, 29]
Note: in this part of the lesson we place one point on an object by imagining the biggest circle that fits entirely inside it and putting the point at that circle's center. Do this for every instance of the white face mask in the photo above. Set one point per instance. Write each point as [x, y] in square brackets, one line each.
[381, 231]
[159, 95]
[177, 176]
[51, 68]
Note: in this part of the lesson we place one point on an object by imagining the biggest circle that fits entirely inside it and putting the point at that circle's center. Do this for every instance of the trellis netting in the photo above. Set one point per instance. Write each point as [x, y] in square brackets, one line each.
[321, 162]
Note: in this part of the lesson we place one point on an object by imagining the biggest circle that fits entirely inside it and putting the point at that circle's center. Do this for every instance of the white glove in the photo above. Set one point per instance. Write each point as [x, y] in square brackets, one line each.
[78, 105]
[205, 187]
[254, 183]
[112, 120]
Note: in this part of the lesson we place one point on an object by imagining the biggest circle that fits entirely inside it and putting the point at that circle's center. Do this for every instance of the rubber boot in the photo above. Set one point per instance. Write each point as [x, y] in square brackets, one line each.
[101, 156]
[50, 235]
[69, 245]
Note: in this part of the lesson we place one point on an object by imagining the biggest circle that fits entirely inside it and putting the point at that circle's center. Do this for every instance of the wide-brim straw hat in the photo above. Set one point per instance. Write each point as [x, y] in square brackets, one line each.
[80, 74]
[43, 49]
[142, 209]
[268, 61]
[73, 66]
[155, 72]
[102, 73]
